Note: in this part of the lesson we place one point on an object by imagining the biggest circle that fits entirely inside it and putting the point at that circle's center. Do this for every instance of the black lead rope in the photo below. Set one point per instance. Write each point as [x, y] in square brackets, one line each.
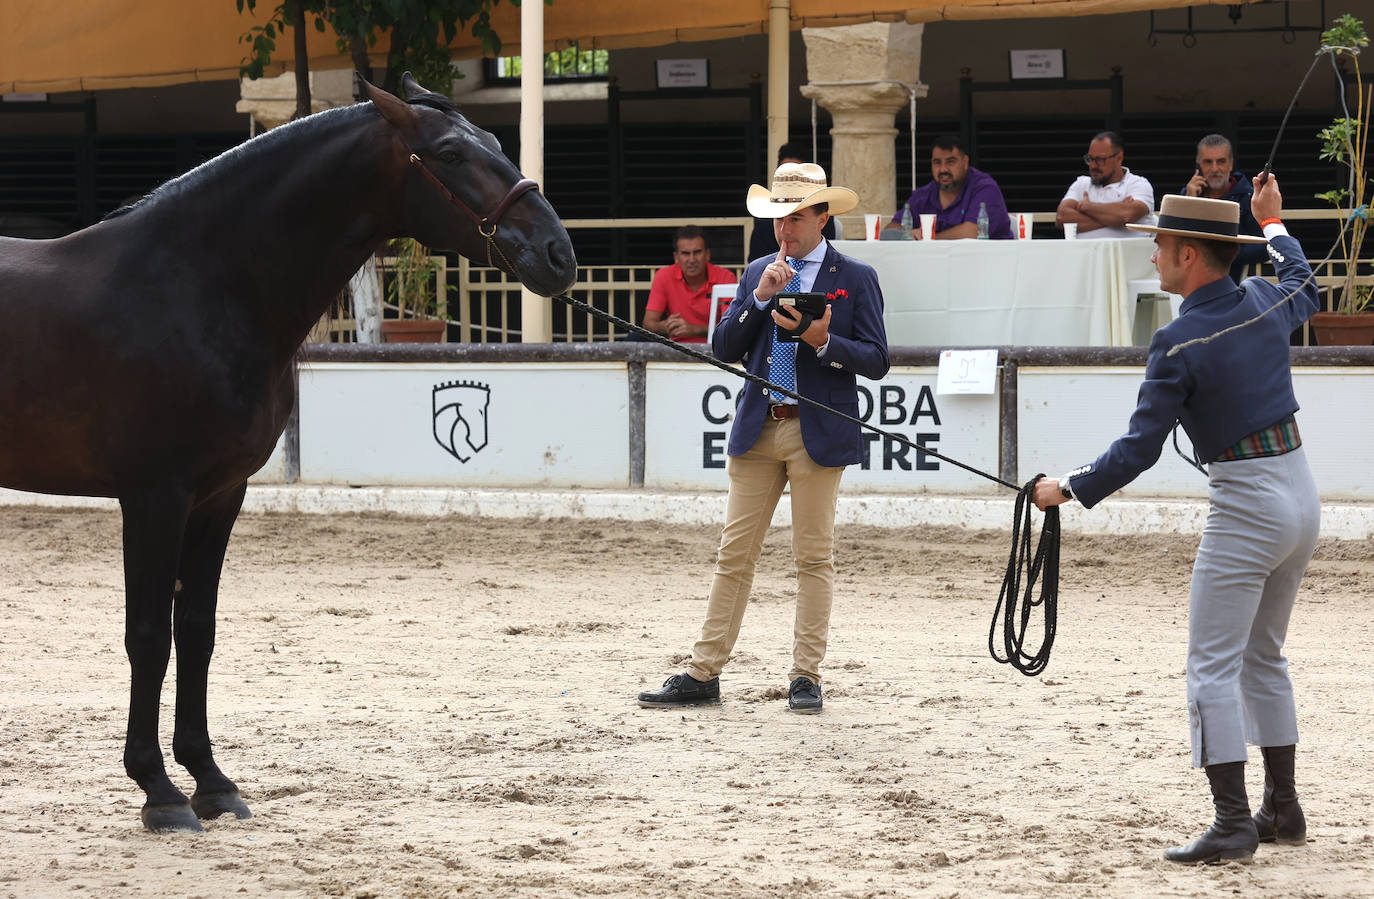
[1014, 607]
[764, 382]
[1045, 563]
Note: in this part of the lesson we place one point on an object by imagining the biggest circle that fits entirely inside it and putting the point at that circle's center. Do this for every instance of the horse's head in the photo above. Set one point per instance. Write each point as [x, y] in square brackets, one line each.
[462, 193]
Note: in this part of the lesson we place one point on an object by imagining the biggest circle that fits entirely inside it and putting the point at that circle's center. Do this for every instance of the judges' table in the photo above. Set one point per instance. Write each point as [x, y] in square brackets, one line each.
[987, 292]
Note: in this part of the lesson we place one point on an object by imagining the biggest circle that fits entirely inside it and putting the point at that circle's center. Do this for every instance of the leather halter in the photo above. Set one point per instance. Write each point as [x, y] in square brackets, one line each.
[486, 224]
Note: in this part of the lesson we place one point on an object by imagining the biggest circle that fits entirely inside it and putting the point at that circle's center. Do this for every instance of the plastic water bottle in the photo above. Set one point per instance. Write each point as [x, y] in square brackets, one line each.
[906, 222]
[982, 221]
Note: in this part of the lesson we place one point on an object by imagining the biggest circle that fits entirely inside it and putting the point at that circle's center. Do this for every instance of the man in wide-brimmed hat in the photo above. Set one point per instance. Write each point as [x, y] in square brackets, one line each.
[1233, 394]
[776, 442]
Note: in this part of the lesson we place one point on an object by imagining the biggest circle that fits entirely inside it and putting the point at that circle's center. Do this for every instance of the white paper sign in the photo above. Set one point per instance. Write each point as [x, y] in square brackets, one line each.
[683, 73]
[967, 371]
[1037, 63]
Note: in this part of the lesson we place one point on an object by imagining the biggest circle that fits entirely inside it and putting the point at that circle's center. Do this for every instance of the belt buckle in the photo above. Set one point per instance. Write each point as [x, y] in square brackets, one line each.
[773, 411]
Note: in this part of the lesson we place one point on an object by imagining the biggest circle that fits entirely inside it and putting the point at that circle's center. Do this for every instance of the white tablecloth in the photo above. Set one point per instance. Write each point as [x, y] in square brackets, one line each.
[990, 292]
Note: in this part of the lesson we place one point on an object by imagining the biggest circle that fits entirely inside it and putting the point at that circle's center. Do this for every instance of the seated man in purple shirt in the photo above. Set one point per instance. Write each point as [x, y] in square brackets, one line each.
[954, 195]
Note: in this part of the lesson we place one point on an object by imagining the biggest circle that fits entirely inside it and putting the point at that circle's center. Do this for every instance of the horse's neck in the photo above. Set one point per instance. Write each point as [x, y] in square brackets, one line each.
[293, 219]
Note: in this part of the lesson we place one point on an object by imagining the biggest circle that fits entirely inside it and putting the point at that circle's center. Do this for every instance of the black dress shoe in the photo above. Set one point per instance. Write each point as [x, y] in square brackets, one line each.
[681, 689]
[804, 696]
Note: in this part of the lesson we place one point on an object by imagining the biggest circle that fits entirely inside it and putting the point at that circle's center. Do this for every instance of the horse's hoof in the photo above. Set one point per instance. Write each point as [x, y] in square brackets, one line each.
[176, 818]
[212, 805]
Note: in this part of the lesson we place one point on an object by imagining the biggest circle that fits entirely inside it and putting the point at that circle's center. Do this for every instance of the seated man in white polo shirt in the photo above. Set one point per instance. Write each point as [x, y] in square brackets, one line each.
[1102, 202]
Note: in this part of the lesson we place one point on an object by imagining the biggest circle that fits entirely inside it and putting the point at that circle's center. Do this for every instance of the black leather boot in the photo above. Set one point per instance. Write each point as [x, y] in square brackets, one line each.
[1280, 818]
[1232, 835]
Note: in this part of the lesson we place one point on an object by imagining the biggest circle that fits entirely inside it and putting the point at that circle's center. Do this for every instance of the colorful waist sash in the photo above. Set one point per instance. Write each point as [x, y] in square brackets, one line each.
[1274, 440]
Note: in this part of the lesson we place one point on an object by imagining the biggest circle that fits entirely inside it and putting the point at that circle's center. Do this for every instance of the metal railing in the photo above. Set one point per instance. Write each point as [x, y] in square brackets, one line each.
[484, 303]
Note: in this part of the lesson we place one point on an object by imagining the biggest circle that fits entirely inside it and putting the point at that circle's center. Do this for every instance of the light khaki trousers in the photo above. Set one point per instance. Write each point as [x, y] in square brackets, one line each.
[757, 478]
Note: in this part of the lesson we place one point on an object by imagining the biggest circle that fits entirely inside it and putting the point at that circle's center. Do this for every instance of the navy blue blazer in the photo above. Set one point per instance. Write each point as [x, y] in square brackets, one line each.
[858, 345]
[1220, 391]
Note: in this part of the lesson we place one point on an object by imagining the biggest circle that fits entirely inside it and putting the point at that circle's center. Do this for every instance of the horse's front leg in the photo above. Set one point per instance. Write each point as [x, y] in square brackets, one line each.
[154, 523]
[193, 626]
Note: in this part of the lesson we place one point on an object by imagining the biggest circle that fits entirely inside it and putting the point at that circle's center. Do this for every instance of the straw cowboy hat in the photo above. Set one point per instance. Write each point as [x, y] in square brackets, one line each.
[1199, 217]
[797, 185]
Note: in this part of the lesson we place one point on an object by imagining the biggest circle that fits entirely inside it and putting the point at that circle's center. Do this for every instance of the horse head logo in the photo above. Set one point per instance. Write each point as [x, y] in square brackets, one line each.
[460, 417]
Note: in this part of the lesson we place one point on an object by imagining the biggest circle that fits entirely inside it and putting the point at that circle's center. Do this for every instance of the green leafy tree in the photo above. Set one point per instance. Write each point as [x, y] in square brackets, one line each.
[417, 33]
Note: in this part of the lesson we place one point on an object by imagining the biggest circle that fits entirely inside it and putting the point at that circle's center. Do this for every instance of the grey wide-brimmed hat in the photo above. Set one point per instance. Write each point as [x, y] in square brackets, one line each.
[797, 185]
[1199, 217]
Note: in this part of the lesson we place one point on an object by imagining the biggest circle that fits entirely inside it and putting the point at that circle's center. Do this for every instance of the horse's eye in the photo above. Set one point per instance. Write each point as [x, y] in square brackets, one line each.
[448, 155]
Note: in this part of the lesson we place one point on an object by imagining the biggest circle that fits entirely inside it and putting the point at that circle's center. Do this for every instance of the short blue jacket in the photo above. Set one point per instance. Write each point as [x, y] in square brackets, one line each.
[1219, 391]
[858, 345]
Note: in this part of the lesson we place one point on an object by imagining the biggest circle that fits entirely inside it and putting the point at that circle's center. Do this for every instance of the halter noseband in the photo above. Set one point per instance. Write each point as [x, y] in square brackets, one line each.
[486, 224]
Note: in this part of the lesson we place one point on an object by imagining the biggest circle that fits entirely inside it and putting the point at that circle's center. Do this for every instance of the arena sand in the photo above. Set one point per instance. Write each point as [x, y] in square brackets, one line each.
[446, 708]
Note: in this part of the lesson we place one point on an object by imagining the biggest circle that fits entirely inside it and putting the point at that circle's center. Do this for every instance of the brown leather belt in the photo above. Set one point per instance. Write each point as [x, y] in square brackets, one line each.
[779, 411]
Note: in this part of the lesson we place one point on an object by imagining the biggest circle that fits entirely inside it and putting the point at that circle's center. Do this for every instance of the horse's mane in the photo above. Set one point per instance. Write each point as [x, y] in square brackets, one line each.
[125, 209]
[248, 152]
[242, 155]
[435, 101]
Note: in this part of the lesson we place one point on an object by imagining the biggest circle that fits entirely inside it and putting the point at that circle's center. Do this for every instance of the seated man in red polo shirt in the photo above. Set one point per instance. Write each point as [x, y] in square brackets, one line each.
[680, 299]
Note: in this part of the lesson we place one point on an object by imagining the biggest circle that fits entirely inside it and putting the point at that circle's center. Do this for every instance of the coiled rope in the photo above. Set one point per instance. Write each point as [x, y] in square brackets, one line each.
[1044, 565]
[1014, 606]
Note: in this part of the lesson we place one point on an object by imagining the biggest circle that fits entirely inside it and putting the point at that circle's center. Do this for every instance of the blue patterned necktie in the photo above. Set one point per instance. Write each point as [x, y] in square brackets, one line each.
[782, 356]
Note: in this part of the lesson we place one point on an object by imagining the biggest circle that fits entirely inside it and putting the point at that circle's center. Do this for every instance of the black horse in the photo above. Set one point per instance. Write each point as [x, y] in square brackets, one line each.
[149, 357]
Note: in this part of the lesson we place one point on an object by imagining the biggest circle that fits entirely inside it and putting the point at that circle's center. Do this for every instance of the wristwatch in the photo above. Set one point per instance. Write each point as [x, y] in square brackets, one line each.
[1064, 487]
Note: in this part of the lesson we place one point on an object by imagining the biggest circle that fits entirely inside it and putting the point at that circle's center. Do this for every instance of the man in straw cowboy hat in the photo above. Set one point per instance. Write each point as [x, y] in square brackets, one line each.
[777, 443]
[1234, 397]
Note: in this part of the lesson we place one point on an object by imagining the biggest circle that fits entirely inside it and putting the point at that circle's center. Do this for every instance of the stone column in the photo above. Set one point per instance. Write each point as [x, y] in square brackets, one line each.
[271, 101]
[863, 75]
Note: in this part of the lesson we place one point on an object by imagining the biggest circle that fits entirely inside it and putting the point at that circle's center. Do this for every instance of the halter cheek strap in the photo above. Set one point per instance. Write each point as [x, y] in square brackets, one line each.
[486, 224]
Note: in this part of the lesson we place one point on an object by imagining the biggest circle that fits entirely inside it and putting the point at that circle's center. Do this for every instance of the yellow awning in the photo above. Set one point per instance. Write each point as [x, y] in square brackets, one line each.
[103, 44]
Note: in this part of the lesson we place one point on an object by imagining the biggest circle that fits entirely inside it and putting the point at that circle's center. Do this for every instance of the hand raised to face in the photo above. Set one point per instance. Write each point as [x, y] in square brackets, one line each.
[774, 278]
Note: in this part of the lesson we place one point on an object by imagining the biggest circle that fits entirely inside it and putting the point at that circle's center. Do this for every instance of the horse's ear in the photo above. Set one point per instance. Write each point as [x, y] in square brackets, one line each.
[392, 109]
[411, 88]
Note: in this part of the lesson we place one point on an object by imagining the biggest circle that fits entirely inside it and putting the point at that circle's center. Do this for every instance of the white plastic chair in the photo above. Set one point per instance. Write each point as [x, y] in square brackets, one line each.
[719, 292]
[1151, 313]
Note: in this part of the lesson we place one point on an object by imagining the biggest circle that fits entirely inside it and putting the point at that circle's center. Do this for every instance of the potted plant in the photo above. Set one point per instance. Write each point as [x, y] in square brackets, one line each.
[1345, 141]
[414, 288]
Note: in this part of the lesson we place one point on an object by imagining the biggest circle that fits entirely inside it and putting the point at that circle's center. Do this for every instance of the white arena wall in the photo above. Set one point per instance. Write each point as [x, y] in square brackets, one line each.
[576, 424]
[636, 432]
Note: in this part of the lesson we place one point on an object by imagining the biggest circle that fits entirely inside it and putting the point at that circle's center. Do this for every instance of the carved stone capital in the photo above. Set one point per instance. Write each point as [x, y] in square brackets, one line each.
[272, 101]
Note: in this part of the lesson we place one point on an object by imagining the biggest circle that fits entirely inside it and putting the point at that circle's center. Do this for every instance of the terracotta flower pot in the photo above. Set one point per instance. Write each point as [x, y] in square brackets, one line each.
[413, 330]
[1335, 329]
